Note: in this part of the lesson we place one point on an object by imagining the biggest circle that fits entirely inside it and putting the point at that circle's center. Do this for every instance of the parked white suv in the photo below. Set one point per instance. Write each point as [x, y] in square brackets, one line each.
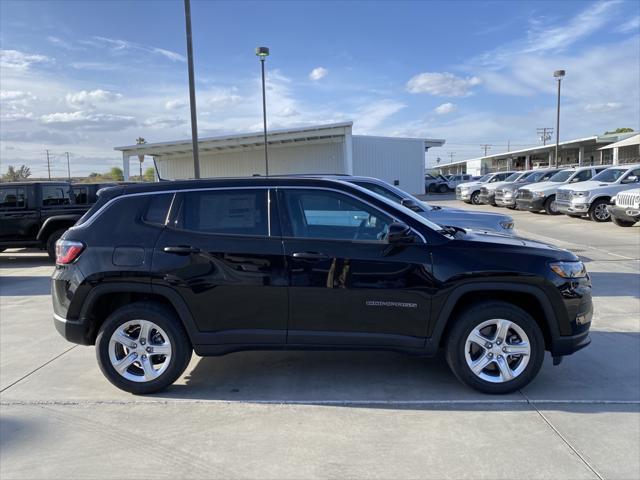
[625, 208]
[591, 198]
[470, 192]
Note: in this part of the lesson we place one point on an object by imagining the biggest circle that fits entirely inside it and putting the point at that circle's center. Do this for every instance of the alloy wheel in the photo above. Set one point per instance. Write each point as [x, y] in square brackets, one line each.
[497, 350]
[601, 212]
[139, 350]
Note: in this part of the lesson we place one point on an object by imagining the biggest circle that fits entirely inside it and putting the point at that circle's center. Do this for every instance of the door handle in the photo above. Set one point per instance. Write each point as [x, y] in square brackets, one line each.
[309, 256]
[181, 250]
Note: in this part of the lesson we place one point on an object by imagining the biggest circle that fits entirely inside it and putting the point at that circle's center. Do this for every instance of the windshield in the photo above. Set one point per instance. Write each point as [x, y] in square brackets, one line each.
[562, 176]
[610, 175]
[485, 178]
[513, 177]
[394, 194]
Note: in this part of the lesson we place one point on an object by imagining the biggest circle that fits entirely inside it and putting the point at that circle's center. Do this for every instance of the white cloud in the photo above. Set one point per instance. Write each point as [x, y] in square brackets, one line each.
[119, 45]
[289, 112]
[59, 42]
[88, 99]
[370, 117]
[88, 120]
[442, 84]
[15, 105]
[164, 122]
[221, 100]
[632, 25]
[17, 60]
[318, 73]
[99, 66]
[602, 107]
[445, 108]
[175, 104]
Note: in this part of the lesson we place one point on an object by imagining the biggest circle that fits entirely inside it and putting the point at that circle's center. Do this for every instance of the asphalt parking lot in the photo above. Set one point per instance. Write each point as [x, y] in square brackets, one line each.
[328, 415]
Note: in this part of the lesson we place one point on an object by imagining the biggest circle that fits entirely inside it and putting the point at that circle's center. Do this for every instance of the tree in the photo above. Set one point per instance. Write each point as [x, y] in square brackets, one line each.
[14, 175]
[150, 174]
[116, 174]
[620, 130]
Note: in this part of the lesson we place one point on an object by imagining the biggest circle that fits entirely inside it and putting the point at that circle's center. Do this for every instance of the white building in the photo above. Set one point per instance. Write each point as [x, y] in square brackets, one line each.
[330, 149]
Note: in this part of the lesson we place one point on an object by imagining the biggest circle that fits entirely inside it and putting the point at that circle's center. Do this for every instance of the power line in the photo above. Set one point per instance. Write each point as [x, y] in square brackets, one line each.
[485, 146]
[544, 134]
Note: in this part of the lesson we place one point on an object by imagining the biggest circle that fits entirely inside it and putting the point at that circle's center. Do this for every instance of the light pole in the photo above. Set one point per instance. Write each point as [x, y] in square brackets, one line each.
[558, 74]
[192, 90]
[263, 53]
[140, 141]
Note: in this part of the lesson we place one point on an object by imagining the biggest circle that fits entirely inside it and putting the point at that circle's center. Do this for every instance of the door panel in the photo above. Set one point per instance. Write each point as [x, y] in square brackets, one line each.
[234, 285]
[352, 289]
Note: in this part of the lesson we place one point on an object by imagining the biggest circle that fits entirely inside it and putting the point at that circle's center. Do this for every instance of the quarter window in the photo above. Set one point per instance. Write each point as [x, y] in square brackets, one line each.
[54, 195]
[239, 212]
[158, 208]
[12, 198]
[333, 216]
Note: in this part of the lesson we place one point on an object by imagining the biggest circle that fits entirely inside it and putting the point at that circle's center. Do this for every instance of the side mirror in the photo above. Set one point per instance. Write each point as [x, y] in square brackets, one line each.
[410, 204]
[400, 234]
[630, 179]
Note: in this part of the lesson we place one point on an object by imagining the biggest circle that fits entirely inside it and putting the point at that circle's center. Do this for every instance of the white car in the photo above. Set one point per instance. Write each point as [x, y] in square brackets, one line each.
[591, 198]
[625, 208]
[454, 180]
[470, 192]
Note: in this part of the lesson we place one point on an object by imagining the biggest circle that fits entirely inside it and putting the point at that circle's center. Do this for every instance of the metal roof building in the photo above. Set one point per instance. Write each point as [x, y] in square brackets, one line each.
[581, 151]
[328, 148]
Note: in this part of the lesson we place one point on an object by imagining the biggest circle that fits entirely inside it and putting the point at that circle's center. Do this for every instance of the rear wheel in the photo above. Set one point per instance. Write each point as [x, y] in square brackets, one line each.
[622, 223]
[495, 347]
[599, 211]
[51, 243]
[550, 206]
[443, 188]
[142, 348]
[475, 198]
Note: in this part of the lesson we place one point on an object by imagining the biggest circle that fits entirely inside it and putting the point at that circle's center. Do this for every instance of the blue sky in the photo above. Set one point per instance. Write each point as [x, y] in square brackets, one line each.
[84, 77]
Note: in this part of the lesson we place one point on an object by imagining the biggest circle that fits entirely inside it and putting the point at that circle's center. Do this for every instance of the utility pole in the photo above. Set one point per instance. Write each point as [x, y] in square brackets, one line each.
[544, 134]
[48, 164]
[68, 166]
[451, 155]
[508, 145]
[192, 91]
[486, 146]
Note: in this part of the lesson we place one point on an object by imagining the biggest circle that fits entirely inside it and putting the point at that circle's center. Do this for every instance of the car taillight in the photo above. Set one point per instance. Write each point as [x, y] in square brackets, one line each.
[67, 251]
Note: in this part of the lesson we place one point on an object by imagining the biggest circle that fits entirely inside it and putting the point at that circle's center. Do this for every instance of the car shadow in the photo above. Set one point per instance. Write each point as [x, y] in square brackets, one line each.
[16, 286]
[390, 380]
[24, 258]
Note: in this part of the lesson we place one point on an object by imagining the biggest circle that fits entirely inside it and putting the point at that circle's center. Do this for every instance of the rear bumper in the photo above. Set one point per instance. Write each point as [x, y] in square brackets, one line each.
[73, 331]
[568, 345]
[532, 205]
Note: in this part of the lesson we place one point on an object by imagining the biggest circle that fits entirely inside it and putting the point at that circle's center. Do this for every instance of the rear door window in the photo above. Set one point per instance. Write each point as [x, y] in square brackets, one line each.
[56, 195]
[158, 208]
[226, 212]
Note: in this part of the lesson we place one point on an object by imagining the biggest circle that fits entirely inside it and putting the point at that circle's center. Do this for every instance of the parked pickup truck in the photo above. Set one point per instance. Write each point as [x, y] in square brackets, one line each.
[505, 195]
[625, 208]
[36, 214]
[592, 198]
[470, 192]
[542, 196]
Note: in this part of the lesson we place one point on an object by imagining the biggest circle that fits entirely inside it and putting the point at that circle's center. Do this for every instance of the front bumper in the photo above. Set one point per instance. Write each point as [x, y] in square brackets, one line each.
[628, 214]
[531, 204]
[505, 201]
[488, 198]
[572, 208]
[464, 196]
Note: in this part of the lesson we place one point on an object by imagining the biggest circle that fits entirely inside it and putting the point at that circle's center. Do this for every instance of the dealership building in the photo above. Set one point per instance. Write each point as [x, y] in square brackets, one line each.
[612, 149]
[330, 149]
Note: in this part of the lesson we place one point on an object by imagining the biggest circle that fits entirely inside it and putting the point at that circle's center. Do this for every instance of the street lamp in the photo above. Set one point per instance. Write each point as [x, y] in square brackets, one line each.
[263, 53]
[558, 75]
[140, 141]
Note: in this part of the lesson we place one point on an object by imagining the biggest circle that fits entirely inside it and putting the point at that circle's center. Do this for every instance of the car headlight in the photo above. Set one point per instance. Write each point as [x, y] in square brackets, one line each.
[540, 194]
[507, 224]
[508, 193]
[464, 189]
[569, 269]
[580, 194]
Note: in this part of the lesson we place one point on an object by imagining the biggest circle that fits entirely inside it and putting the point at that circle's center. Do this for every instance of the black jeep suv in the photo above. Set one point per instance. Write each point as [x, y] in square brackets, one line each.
[154, 271]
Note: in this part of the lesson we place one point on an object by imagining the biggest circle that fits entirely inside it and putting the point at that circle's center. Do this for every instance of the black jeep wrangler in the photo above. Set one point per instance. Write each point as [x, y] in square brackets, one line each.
[36, 214]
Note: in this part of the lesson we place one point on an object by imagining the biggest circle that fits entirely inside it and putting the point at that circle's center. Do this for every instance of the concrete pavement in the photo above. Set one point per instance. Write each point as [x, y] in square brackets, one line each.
[324, 415]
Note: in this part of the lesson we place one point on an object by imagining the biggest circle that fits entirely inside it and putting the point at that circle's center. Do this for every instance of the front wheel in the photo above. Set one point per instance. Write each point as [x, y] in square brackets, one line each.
[599, 211]
[142, 348]
[443, 188]
[622, 223]
[495, 347]
[550, 206]
[475, 198]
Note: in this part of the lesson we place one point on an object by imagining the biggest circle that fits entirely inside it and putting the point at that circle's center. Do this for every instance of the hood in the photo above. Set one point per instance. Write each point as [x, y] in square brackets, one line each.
[471, 184]
[586, 186]
[544, 186]
[493, 186]
[499, 239]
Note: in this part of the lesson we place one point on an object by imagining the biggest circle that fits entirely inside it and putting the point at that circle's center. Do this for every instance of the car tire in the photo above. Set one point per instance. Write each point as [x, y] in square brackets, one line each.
[622, 223]
[550, 206]
[523, 334]
[432, 188]
[51, 242]
[475, 198]
[443, 188]
[160, 320]
[598, 211]
[574, 216]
